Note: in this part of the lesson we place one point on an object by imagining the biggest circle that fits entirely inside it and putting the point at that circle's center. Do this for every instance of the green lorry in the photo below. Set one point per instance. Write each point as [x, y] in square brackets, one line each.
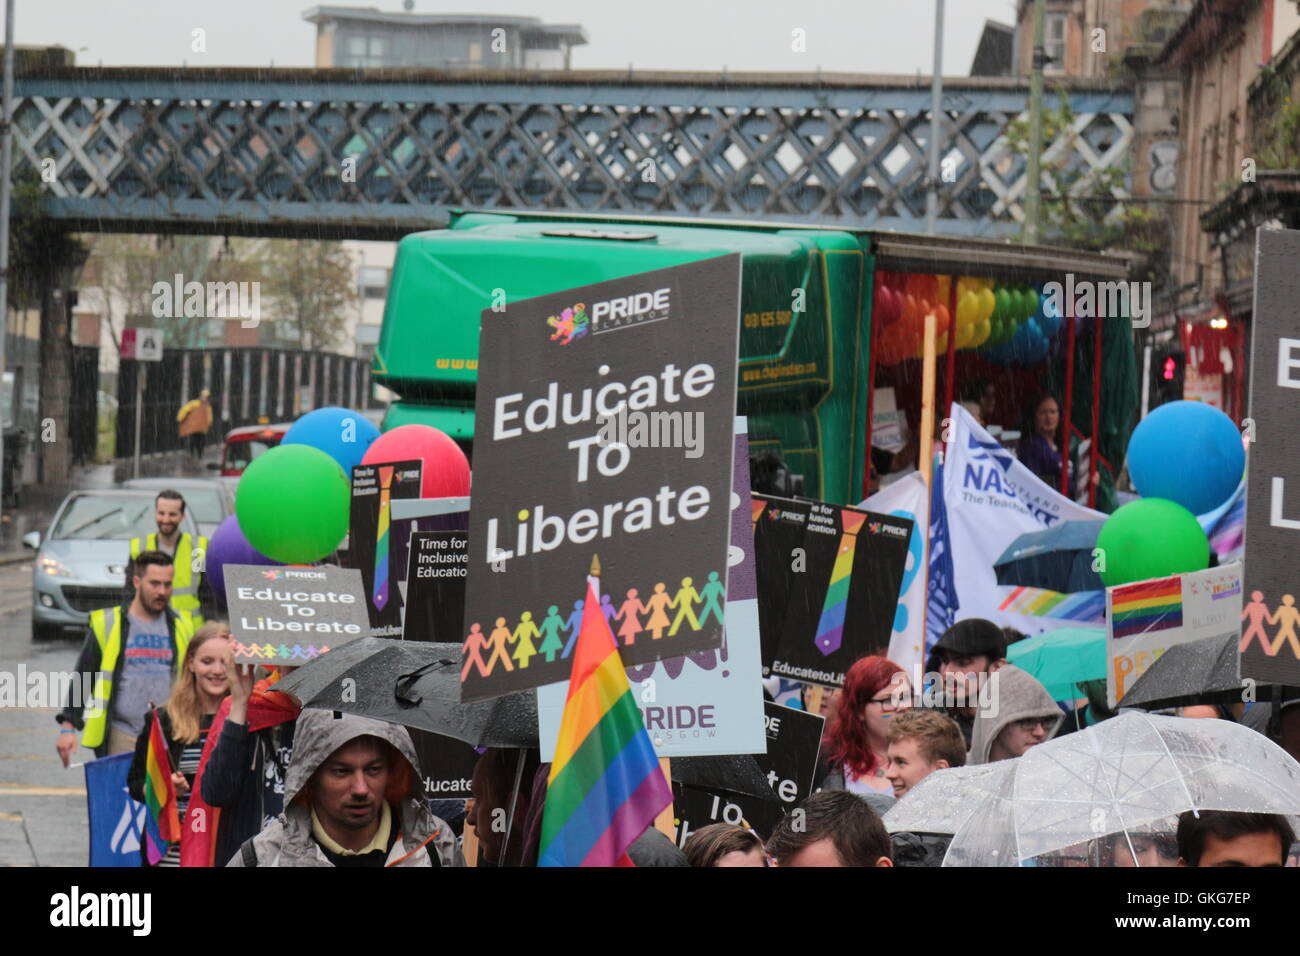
[804, 326]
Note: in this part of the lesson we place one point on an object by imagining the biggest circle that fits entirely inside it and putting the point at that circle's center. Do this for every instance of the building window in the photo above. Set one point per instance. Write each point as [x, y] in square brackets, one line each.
[1054, 42]
[374, 282]
[363, 51]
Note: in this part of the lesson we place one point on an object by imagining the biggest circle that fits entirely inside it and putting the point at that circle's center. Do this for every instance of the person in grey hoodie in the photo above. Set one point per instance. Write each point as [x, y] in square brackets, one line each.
[1017, 714]
[351, 799]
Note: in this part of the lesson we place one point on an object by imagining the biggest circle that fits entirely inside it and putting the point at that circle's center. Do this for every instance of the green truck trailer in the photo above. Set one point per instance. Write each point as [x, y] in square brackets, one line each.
[805, 318]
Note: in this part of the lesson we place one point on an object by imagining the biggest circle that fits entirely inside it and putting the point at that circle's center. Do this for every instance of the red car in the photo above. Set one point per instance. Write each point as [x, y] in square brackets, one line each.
[245, 444]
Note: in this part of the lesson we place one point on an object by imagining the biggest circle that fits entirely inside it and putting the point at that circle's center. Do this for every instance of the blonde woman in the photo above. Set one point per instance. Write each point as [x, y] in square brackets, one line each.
[195, 697]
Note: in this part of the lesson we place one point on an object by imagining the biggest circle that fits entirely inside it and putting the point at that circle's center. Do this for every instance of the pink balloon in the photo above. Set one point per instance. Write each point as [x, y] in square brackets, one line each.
[446, 469]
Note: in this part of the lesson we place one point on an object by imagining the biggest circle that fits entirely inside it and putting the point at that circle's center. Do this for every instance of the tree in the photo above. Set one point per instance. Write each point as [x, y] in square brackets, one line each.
[1080, 206]
[311, 285]
[129, 267]
[44, 261]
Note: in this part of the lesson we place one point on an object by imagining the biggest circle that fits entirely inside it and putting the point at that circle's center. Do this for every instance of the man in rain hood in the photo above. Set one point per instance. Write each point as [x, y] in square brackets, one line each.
[350, 800]
[1018, 714]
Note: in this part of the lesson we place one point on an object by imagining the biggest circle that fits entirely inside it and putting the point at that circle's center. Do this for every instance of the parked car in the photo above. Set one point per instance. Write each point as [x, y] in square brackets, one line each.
[209, 500]
[81, 563]
[246, 443]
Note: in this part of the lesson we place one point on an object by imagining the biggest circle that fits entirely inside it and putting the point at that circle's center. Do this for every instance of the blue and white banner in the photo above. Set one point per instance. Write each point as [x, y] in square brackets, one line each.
[116, 821]
[991, 499]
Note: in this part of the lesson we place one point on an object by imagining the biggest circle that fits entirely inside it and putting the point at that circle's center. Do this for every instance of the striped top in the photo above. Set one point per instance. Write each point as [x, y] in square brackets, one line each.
[188, 765]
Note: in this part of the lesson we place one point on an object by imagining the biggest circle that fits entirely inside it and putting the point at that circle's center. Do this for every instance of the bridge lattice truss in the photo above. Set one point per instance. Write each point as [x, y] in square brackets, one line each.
[368, 158]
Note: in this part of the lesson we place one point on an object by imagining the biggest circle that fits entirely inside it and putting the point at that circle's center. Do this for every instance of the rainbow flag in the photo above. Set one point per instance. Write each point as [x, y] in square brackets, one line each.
[380, 590]
[1087, 606]
[1147, 606]
[605, 785]
[830, 626]
[163, 823]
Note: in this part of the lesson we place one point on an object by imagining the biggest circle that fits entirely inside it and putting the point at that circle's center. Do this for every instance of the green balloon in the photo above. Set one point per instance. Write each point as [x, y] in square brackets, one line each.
[1002, 307]
[1151, 538]
[1031, 302]
[292, 504]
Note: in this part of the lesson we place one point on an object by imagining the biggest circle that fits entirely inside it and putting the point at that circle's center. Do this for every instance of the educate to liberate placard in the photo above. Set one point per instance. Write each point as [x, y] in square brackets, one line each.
[603, 426]
[292, 615]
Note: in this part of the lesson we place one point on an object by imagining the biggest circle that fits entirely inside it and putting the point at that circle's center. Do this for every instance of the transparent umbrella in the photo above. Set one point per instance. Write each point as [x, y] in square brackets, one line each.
[1124, 775]
[943, 800]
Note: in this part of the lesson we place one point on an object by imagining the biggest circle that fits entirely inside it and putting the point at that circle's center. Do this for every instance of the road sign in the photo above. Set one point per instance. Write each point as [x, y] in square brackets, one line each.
[144, 345]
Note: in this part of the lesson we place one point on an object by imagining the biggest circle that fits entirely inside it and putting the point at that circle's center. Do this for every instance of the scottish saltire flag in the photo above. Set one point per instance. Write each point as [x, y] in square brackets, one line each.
[116, 821]
[605, 785]
[942, 604]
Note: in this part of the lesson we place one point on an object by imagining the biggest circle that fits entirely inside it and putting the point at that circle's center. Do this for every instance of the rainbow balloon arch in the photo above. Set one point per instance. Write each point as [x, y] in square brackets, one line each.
[1004, 322]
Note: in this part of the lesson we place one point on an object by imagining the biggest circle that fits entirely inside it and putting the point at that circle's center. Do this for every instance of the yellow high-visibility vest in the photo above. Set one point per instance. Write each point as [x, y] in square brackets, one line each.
[185, 582]
[108, 635]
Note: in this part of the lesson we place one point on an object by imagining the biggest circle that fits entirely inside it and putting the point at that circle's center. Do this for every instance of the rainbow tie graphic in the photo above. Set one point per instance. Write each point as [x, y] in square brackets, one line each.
[830, 628]
[381, 537]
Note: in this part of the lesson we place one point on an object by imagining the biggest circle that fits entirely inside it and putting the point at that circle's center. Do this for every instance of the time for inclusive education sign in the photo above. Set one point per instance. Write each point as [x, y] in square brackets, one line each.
[603, 426]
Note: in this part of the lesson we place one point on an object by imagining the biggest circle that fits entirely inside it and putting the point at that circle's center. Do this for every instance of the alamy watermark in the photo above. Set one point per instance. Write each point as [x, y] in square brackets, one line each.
[653, 430]
[23, 688]
[1100, 300]
[208, 300]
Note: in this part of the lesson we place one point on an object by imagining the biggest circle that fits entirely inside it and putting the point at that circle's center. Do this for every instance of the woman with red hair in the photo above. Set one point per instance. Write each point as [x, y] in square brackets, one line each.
[854, 748]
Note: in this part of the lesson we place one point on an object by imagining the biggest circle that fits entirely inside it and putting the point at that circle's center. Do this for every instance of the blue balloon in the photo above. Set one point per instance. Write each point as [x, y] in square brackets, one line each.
[1187, 452]
[1049, 317]
[341, 433]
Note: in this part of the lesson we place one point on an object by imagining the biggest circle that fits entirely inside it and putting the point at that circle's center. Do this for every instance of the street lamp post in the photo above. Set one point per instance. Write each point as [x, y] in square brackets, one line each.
[1033, 177]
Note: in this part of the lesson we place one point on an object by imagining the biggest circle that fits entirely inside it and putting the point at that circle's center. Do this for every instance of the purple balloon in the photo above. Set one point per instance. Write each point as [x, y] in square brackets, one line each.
[229, 546]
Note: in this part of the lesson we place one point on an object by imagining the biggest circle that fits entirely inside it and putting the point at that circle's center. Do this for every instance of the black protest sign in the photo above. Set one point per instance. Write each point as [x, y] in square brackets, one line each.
[1270, 638]
[291, 615]
[447, 764]
[435, 586]
[843, 600]
[779, 525]
[370, 532]
[603, 426]
[793, 747]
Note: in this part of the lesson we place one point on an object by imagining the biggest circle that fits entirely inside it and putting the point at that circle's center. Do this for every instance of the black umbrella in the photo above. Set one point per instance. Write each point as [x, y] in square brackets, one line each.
[1058, 558]
[414, 683]
[1193, 673]
[737, 773]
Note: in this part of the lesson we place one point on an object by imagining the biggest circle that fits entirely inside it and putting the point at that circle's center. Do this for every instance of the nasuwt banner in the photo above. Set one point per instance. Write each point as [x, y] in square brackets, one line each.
[710, 702]
[1270, 639]
[1146, 618]
[603, 427]
[991, 500]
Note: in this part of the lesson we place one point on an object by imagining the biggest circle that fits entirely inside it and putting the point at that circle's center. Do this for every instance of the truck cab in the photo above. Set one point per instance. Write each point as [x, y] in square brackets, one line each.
[804, 343]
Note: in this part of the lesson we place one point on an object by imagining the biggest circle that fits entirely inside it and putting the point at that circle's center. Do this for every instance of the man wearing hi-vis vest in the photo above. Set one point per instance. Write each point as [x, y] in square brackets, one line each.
[186, 551]
[132, 654]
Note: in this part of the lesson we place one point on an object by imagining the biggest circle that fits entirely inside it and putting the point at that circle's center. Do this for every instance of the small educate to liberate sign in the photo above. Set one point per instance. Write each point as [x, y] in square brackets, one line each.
[291, 615]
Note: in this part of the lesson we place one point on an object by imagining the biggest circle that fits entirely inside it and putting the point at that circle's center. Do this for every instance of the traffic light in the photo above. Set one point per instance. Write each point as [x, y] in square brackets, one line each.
[1168, 365]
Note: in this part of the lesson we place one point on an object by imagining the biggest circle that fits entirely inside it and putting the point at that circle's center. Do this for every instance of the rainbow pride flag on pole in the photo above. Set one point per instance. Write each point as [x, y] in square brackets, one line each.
[1147, 606]
[163, 823]
[605, 785]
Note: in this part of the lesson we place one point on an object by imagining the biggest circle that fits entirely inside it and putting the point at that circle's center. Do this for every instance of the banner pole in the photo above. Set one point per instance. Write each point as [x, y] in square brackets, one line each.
[927, 451]
[1067, 402]
[1094, 451]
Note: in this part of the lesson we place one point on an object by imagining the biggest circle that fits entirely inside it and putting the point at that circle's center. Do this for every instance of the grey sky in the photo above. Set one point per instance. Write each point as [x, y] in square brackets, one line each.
[873, 36]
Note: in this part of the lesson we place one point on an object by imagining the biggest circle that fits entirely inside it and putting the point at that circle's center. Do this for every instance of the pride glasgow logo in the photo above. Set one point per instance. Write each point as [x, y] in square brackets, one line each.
[609, 316]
